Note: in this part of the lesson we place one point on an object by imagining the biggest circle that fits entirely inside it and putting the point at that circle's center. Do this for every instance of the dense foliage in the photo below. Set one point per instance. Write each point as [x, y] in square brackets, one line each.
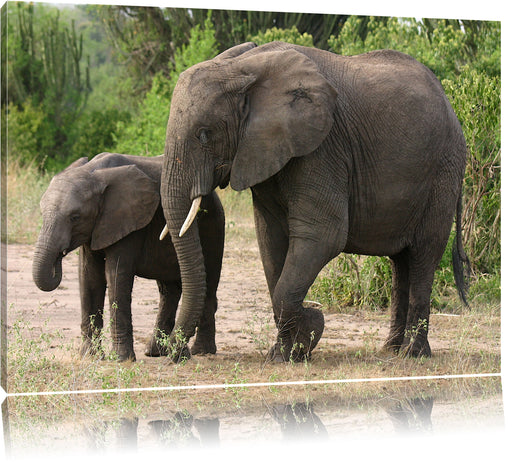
[89, 79]
[54, 114]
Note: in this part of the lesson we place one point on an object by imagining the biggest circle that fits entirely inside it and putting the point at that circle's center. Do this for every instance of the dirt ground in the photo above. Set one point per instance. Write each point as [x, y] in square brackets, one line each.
[244, 318]
[244, 312]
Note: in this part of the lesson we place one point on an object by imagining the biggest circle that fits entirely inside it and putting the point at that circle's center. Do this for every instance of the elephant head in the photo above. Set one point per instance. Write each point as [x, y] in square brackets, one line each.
[87, 206]
[237, 119]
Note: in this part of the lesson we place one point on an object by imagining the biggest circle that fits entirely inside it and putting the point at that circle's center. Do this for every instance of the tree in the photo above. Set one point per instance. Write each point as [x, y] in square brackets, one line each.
[148, 38]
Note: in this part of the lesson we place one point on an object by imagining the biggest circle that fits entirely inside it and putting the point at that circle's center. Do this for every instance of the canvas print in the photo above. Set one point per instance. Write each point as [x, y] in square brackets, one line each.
[228, 226]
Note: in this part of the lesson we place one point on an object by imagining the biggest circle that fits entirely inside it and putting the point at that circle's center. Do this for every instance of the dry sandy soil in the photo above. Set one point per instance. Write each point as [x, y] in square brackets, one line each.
[244, 313]
[245, 327]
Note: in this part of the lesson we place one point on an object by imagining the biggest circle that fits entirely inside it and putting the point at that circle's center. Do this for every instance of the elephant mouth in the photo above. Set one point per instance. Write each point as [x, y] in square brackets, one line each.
[224, 182]
[72, 246]
[221, 176]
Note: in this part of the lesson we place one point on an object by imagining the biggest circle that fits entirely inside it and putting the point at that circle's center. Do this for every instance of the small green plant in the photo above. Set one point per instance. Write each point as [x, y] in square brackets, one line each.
[370, 341]
[31, 357]
[419, 329]
[237, 378]
[260, 329]
[175, 345]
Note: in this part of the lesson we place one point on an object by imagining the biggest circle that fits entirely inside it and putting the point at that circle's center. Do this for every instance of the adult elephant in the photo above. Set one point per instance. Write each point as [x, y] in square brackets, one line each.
[359, 154]
[111, 207]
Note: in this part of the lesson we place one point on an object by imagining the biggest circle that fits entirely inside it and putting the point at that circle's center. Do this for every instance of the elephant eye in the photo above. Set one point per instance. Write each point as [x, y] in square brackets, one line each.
[203, 135]
[74, 217]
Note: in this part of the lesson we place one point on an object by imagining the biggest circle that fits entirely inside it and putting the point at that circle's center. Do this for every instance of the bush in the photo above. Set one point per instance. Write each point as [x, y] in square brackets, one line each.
[442, 45]
[27, 128]
[96, 131]
[476, 99]
[291, 35]
[354, 280]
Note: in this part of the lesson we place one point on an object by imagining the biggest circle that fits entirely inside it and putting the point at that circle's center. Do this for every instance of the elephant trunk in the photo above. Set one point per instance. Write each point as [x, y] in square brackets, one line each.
[47, 267]
[176, 203]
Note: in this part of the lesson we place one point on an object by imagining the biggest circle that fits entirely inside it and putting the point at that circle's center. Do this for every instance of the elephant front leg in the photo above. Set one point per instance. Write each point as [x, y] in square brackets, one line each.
[299, 328]
[205, 337]
[92, 284]
[120, 285]
[170, 293]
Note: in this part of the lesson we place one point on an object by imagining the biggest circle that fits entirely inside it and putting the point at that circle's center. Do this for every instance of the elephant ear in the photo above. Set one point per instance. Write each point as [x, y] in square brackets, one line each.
[130, 200]
[290, 112]
[235, 51]
[77, 163]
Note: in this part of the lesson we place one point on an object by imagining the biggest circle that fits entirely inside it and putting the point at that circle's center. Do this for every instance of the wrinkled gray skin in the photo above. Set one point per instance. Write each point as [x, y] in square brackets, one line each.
[355, 154]
[110, 208]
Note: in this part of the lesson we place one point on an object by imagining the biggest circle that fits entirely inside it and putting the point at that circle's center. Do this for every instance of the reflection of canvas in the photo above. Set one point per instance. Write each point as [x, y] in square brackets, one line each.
[174, 421]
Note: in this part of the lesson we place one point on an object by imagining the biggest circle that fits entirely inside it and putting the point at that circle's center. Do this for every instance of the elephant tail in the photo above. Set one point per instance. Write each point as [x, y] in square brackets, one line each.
[460, 261]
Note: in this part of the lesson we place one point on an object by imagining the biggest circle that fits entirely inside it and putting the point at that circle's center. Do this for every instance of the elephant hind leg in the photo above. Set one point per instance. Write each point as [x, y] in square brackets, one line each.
[413, 275]
[399, 300]
[415, 342]
[424, 258]
[425, 253]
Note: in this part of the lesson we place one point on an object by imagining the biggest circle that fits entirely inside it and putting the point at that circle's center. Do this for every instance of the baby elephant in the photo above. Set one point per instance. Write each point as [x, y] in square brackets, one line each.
[110, 207]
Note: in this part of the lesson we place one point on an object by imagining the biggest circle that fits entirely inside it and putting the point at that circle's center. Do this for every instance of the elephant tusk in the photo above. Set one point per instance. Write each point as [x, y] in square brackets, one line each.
[164, 233]
[191, 215]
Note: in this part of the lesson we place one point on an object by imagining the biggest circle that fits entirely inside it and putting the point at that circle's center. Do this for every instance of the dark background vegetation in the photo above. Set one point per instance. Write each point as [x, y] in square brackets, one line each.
[92, 78]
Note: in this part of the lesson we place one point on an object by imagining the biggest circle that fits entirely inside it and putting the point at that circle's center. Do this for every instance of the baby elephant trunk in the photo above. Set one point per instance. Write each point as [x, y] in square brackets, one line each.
[47, 268]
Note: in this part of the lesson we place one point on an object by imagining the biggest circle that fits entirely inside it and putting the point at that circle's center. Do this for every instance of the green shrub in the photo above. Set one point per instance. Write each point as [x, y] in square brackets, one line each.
[96, 131]
[28, 132]
[445, 46]
[291, 35]
[476, 99]
[353, 280]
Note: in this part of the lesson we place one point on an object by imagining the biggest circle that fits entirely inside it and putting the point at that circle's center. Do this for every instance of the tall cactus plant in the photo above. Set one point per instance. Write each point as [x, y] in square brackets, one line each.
[49, 71]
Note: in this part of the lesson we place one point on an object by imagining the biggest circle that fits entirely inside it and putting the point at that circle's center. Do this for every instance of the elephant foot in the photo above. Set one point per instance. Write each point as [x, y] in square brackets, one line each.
[297, 343]
[203, 345]
[415, 343]
[415, 349]
[124, 353]
[126, 357]
[179, 354]
[91, 348]
[154, 348]
[393, 343]
[281, 353]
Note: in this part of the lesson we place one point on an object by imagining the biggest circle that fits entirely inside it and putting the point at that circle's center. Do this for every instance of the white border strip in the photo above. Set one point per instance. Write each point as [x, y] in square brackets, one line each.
[252, 385]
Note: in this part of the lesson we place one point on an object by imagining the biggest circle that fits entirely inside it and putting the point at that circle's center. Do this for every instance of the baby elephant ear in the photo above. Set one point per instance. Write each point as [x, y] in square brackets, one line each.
[236, 51]
[130, 200]
[290, 112]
